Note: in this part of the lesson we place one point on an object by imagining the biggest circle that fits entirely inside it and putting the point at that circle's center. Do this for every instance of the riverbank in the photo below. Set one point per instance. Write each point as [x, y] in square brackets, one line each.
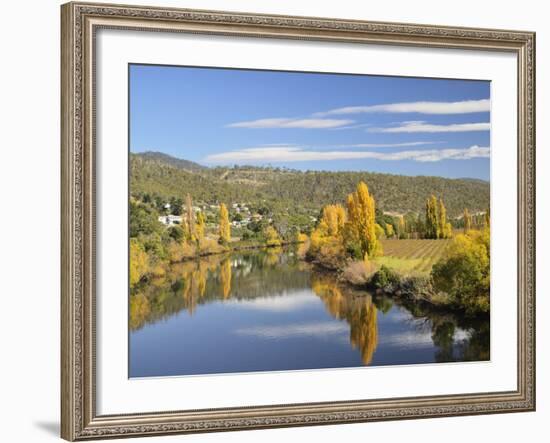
[380, 279]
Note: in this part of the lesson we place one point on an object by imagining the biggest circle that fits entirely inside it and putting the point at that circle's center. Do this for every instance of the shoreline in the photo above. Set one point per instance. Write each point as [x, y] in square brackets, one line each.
[408, 289]
[237, 248]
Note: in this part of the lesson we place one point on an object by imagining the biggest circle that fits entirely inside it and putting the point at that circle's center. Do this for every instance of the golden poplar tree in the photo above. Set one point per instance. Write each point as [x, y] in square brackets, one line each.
[361, 221]
[199, 228]
[442, 215]
[402, 227]
[432, 218]
[272, 237]
[467, 221]
[189, 226]
[389, 230]
[225, 228]
[333, 220]
[330, 227]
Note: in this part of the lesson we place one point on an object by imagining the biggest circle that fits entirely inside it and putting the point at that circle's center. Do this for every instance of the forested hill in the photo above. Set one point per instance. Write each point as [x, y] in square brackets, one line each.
[159, 174]
[169, 160]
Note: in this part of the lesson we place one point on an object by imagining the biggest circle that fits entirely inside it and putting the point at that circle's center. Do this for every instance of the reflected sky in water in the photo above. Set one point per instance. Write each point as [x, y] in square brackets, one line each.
[267, 311]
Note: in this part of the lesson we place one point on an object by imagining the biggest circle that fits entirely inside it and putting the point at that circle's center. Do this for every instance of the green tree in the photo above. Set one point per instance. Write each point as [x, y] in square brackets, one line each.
[176, 233]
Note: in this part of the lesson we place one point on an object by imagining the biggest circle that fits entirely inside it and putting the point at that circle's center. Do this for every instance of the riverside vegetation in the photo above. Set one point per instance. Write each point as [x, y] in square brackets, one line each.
[431, 252]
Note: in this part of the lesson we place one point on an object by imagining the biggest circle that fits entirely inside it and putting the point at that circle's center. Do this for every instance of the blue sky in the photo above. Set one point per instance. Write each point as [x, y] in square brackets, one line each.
[336, 122]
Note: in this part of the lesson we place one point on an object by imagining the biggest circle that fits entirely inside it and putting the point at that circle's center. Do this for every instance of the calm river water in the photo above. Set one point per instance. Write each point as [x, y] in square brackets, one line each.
[268, 311]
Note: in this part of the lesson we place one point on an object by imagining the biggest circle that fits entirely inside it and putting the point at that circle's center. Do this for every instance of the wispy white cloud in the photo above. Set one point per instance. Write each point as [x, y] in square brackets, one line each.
[303, 123]
[390, 145]
[419, 126]
[296, 154]
[320, 330]
[280, 303]
[461, 107]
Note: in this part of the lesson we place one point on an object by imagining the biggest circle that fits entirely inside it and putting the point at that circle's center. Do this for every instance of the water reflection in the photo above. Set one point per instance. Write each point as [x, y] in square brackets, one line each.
[268, 310]
[359, 312]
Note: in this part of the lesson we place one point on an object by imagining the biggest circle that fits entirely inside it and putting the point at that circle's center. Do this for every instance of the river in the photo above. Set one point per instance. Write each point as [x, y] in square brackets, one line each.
[269, 311]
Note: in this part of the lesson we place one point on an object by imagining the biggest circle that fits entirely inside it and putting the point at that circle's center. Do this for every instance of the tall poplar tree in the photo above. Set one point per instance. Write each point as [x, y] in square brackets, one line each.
[199, 228]
[442, 219]
[432, 218]
[225, 228]
[190, 219]
[402, 227]
[361, 220]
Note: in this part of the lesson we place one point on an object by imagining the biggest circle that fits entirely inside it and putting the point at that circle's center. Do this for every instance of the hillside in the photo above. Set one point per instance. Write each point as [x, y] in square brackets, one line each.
[160, 174]
[169, 160]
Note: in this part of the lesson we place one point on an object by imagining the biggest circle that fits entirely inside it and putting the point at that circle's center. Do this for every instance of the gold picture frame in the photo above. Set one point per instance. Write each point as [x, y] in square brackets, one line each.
[79, 22]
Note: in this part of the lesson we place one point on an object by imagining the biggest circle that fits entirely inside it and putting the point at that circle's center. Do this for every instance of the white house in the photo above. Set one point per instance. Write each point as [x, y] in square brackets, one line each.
[170, 220]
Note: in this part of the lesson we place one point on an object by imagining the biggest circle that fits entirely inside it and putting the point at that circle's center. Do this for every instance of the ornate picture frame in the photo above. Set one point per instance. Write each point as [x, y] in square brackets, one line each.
[80, 22]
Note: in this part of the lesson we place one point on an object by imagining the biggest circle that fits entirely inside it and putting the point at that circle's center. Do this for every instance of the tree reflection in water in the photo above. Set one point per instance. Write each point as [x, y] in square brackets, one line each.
[359, 312]
[276, 272]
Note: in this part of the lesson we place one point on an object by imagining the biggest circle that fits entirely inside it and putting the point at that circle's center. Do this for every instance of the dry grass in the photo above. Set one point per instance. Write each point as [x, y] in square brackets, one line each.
[359, 272]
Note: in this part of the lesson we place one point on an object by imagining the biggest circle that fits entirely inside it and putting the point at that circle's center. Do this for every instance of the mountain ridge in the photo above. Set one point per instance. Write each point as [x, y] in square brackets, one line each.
[167, 176]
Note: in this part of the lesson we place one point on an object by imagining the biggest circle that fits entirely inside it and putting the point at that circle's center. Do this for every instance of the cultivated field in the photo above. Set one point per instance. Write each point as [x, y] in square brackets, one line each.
[412, 256]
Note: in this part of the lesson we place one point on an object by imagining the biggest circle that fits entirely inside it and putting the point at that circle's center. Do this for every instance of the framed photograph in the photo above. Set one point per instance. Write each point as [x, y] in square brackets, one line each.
[283, 221]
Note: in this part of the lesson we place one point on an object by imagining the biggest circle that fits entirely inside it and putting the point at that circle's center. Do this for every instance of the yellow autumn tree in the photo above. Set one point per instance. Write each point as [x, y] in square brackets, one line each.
[361, 224]
[389, 230]
[225, 228]
[139, 262]
[445, 228]
[200, 225]
[402, 227]
[272, 237]
[189, 226]
[333, 220]
[330, 226]
[432, 218]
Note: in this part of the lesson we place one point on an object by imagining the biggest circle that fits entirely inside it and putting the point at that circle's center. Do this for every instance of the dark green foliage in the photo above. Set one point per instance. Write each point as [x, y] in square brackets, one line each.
[143, 220]
[354, 250]
[176, 205]
[176, 233]
[384, 278]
